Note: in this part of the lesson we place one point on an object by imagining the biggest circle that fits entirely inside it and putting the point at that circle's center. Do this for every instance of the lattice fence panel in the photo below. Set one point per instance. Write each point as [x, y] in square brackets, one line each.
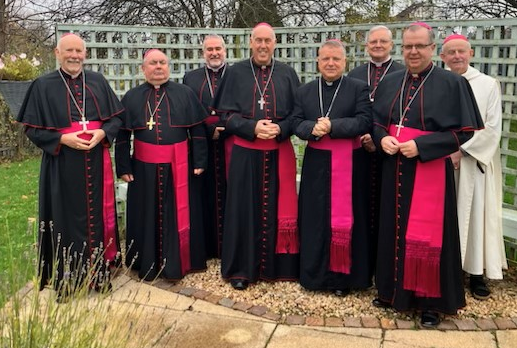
[117, 52]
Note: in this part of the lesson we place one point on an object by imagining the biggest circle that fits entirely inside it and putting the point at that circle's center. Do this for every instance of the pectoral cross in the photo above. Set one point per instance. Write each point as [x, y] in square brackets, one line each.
[262, 102]
[84, 122]
[150, 123]
[399, 127]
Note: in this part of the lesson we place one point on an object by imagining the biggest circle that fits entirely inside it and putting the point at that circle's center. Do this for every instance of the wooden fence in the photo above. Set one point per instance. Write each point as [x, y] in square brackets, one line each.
[117, 51]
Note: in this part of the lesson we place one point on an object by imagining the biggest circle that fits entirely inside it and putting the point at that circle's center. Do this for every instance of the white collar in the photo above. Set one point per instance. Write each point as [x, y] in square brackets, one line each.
[379, 64]
[215, 70]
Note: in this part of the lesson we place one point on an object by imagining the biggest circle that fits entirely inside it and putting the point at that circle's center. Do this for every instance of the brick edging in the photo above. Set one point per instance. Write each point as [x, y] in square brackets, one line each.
[369, 322]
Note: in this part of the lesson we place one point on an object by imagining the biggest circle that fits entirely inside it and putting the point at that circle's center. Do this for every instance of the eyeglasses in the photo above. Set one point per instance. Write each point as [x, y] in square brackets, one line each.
[418, 47]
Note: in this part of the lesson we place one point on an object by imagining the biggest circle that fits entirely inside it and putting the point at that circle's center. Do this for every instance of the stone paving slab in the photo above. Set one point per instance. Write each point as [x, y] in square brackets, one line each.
[159, 317]
[507, 338]
[367, 322]
[359, 332]
[196, 329]
[145, 294]
[138, 326]
[297, 337]
[438, 339]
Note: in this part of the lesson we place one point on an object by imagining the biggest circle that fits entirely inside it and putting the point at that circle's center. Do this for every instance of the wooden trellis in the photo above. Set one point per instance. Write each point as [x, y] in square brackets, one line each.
[117, 52]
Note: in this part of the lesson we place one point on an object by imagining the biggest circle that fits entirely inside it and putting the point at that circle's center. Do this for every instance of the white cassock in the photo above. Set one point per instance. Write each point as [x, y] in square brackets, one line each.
[480, 194]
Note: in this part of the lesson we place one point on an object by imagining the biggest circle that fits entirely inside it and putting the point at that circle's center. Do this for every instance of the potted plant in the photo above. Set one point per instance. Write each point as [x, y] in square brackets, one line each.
[16, 74]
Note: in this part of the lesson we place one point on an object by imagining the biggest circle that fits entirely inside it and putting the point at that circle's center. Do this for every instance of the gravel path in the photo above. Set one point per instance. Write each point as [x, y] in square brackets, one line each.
[289, 298]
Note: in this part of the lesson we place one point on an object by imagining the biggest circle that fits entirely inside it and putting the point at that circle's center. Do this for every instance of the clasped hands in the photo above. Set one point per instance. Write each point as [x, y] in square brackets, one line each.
[391, 146]
[74, 141]
[322, 127]
[266, 129]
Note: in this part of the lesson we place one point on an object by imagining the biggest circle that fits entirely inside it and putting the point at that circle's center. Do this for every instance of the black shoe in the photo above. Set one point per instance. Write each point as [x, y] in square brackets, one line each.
[377, 302]
[239, 284]
[478, 287]
[430, 319]
[341, 292]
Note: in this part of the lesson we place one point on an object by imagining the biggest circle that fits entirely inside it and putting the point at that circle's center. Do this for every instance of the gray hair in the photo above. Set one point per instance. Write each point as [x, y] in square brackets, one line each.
[214, 36]
[333, 43]
[377, 28]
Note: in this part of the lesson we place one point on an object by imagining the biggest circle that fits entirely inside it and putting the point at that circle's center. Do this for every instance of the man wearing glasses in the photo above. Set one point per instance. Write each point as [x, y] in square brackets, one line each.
[379, 44]
[421, 116]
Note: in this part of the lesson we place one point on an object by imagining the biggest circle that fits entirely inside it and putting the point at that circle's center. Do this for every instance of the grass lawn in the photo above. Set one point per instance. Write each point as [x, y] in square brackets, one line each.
[18, 204]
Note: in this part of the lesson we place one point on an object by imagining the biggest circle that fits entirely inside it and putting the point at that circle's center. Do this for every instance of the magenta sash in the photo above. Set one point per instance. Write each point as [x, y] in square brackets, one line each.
[108, 194]
[212, 119]
[425, 223]
[177, 156]
[341, 208]
[287, 241]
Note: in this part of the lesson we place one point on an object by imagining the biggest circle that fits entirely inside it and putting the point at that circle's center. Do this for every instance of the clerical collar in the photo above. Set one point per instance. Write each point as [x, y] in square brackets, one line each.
[329, 83]
[67, 75]
[422, 73]
[158, 86]
[403, 110]
[216, 70]
[262, 66]
[379, 64]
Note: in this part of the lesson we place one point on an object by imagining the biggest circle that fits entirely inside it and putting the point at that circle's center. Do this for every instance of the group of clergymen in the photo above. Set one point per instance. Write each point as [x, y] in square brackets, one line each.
[400, 181]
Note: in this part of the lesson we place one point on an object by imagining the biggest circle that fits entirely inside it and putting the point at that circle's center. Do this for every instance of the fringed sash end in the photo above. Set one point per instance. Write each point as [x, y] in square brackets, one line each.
[340, 251]
[422, 273]
[287, 239]
[184, 238]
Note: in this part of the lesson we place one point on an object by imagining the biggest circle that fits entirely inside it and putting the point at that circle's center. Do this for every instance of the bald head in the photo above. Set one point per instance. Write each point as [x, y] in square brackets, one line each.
[70, 53]
[262, 44]
[68, 38]
[156, 67]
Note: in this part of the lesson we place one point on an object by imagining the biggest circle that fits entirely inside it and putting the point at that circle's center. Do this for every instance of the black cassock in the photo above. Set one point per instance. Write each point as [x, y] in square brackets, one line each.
[377, 73]
[153, 243]
[372, 160]
[205, 82]
[445, 106]
[74, 204]
[350, 117]
[250, 225]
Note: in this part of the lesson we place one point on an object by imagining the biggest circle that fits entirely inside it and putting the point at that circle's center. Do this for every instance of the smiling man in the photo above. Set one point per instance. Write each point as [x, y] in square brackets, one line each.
[260, 238]
[421, 116]
[478, 172]
[73, 115]
[331, 113]
[205, 82]
[379, 44]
